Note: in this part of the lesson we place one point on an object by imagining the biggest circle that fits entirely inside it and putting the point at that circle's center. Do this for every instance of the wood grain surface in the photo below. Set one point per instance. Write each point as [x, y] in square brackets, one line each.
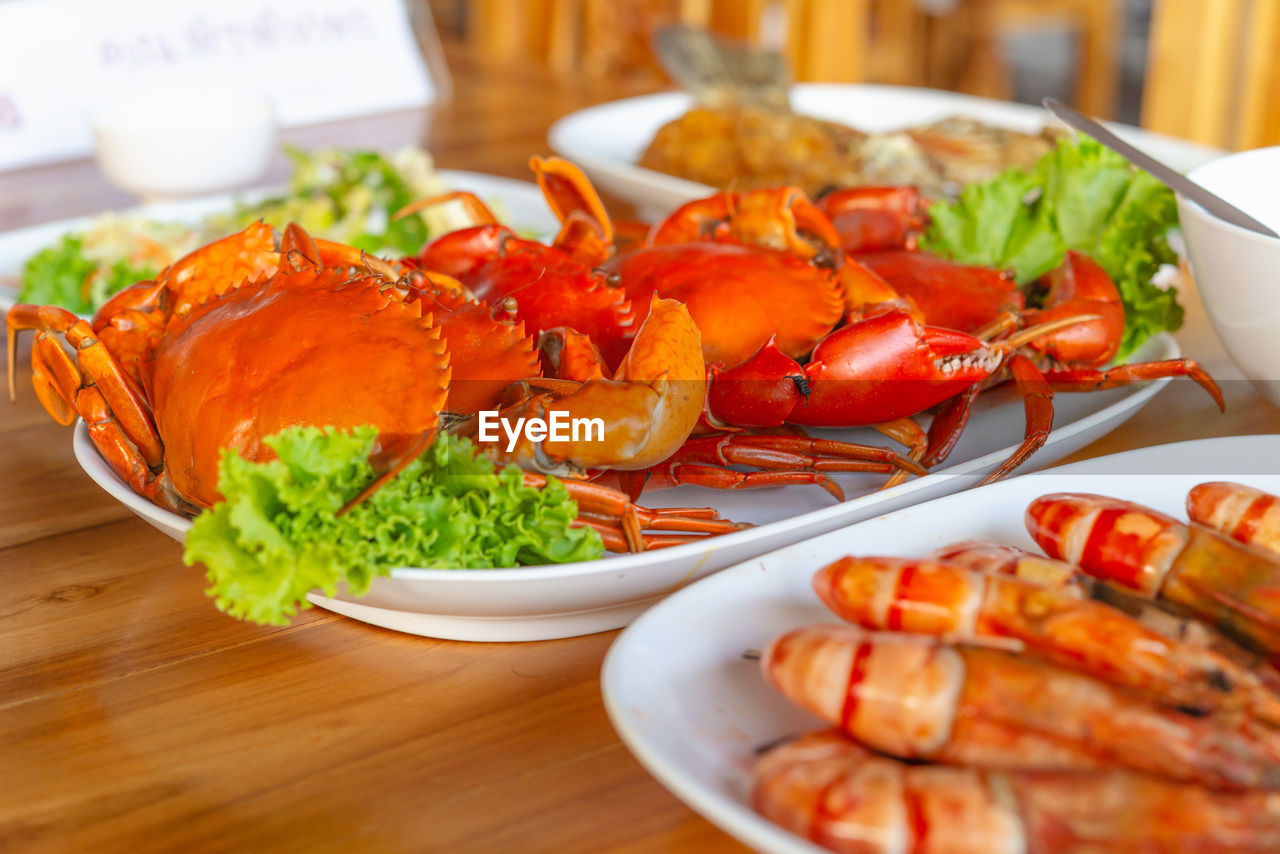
[135, 717]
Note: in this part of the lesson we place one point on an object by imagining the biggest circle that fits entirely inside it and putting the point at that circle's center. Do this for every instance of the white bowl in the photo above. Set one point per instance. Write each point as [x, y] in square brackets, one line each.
[1238, 271]
[167, 143]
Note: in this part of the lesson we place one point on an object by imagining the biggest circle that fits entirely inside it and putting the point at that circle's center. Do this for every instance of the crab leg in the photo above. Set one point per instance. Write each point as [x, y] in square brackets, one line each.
[1037, 401]
[474, 206]
[58, 382]
[616, 540]
[586, 231]
[622, 524]
[936, 598]
[1037, 388]
[913, 698]
[830, 790]
[122, 454]
[1091, 380]
[1230, 585]
[784, 459]
[789, 452]
[948, 425]
[718, 477]
[906, 432]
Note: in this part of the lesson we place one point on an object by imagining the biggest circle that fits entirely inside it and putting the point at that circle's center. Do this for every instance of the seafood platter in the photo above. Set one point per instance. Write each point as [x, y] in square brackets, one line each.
[1077, 660]
[848, 354]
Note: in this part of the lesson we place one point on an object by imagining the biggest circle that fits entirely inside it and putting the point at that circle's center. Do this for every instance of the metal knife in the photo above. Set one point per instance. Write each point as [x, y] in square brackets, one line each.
[1175, 181]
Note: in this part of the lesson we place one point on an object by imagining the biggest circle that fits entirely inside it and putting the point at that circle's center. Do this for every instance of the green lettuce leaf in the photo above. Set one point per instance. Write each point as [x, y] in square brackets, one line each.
[62, 274]
[277, 534]
[1081, 196]
[350, 197]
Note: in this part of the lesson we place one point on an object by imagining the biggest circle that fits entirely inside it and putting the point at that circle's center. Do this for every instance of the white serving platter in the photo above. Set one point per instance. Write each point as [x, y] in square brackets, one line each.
[607, 140]
[520, 202]
[538, 603]
[558, 601]
[694, 711]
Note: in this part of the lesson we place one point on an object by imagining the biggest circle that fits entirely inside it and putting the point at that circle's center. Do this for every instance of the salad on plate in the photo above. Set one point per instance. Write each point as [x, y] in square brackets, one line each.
[347, 196]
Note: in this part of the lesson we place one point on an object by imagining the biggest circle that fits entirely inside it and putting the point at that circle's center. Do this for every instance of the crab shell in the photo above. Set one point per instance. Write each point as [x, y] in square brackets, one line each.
[739, 295]
[300, 347]
[545, 286]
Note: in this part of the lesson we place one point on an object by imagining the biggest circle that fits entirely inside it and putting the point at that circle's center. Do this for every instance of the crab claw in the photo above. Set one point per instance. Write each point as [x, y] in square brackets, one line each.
[761, 392]
[872, 219]
[887, 367]
[875, 370]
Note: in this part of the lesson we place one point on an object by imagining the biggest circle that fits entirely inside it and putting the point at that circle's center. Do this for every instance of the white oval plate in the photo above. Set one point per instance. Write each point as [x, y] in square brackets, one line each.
[694, 711]
[607, 140]
[520, 203]
[537, 603]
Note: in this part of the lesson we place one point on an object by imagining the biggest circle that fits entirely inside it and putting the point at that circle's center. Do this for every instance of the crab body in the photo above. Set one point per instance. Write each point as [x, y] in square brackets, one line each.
[310, 347]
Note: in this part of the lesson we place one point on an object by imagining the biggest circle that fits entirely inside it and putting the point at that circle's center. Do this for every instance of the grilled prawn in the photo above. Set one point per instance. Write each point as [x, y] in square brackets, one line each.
[1210, 575]
[1244, 514]
[915, 698]
[829, 790]
[933, 597]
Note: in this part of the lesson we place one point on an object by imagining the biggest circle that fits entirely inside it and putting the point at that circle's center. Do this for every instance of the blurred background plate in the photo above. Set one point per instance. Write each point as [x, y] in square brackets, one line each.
[694, 711]
[607, 140]
[518, 203]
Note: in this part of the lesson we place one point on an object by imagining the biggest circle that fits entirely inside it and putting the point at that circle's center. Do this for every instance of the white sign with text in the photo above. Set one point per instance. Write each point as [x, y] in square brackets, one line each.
[316, 60]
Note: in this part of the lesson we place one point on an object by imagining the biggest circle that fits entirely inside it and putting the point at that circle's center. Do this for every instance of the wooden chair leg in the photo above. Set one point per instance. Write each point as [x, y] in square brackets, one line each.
[984, 70]
[828, 39]
[1097, 86]
[1260, 99]
[1191, 66]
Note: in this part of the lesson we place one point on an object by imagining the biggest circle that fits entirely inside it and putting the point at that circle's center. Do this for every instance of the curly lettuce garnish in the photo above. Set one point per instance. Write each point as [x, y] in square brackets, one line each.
[346, 196]
[276, 535]
[65, 274]
[1080, 196]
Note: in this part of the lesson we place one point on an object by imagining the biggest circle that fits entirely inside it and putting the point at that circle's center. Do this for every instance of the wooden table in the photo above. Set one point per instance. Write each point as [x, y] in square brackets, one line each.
[134, 716]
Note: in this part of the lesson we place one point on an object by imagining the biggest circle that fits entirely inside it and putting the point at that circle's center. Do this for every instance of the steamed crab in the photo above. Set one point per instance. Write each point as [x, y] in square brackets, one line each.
[241, 339]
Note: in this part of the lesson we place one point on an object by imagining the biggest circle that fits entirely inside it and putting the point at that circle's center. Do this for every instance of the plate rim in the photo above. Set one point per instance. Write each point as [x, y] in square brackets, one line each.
[90, 460]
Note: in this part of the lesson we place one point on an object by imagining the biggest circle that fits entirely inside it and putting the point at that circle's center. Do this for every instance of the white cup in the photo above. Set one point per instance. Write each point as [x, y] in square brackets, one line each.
[172, 142]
